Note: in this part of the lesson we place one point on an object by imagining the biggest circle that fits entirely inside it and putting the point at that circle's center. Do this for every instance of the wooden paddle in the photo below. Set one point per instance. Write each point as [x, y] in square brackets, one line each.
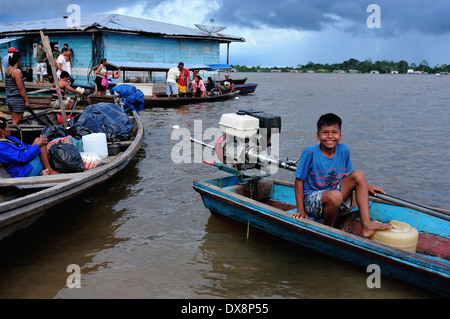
[444, 214]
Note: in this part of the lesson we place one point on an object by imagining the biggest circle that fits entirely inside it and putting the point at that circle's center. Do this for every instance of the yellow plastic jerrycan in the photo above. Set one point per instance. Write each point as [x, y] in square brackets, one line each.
[401, 236]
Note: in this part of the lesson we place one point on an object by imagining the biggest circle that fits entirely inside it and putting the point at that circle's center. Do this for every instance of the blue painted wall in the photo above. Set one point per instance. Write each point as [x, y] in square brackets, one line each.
[120, 47]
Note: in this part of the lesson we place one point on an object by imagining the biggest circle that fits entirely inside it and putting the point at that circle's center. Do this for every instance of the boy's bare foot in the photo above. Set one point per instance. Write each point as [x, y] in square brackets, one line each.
[371, 227]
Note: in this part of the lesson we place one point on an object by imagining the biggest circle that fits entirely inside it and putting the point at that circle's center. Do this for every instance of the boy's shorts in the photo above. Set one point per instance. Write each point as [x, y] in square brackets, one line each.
[313, 203]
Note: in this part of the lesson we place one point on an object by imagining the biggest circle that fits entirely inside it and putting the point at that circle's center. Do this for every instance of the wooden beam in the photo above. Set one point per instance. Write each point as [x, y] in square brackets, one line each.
[48, 51]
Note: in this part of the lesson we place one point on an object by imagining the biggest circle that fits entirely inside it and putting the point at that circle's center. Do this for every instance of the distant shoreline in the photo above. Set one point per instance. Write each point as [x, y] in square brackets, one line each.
[352, 66]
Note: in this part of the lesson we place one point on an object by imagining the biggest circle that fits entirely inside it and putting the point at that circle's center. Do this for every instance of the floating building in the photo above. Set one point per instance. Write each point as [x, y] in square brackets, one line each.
[118, 38]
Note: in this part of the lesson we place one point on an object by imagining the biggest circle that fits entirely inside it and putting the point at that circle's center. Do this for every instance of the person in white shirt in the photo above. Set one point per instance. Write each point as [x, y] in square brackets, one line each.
[61, 63]
[171, 83]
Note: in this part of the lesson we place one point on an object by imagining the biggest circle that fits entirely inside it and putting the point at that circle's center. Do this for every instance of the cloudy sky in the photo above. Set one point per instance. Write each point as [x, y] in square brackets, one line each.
[287, 32]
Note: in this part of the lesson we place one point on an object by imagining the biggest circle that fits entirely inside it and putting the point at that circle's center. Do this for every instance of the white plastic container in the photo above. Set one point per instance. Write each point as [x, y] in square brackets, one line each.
[401, 236]
[95, 143]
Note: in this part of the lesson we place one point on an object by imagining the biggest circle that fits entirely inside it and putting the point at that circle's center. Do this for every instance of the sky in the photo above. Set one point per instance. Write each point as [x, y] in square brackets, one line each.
[286, 32]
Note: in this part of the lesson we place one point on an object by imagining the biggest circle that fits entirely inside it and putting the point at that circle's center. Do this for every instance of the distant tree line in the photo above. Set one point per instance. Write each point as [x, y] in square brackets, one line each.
[366, 66]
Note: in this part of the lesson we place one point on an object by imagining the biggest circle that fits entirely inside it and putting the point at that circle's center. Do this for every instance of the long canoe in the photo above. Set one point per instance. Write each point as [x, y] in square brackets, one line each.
[36, 101]
[164, 101]
[42, 192]
[272, 203]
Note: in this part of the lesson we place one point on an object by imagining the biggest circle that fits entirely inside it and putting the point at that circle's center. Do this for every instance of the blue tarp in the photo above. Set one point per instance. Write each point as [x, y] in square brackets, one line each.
[214, 67]
[132, 98]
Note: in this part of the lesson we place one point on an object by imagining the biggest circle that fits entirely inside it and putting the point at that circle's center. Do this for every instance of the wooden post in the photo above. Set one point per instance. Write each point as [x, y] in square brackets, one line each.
[48, 51]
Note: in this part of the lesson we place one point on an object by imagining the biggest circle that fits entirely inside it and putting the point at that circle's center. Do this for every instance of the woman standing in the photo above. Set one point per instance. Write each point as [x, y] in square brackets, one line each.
[15, 88]
[101, 73]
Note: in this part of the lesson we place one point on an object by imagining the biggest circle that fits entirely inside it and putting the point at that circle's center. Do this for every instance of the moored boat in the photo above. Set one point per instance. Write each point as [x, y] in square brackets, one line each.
[267, 205]
[164, 101]
[246, 88]
[417, 250]
[30, 197]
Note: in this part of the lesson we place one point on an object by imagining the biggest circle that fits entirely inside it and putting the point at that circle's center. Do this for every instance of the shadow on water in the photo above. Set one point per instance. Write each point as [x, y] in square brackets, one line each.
[69, 233]
[265, 266]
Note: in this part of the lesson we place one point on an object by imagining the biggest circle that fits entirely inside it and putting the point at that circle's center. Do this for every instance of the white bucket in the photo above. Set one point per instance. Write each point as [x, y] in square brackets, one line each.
[95, 143]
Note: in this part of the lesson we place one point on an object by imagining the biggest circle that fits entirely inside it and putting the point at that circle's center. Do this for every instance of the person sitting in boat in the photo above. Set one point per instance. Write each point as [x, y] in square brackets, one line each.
[228, 85]
[22, 160]
[65, 86]
[325, 179]
[198, 87]
[211, 88]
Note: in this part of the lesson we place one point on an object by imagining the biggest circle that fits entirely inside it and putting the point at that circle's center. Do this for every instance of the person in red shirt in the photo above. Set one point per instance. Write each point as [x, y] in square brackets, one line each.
[183, 80]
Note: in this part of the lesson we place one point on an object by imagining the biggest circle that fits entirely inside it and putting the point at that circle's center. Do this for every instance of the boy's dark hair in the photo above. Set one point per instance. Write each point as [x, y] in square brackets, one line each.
[64, 50]
[64, 74]
[329, 119]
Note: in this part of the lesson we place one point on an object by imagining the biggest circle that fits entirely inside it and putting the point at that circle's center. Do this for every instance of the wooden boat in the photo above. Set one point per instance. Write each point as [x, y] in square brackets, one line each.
[164, 101]
[270, 206]
[246, 88]
[36, 102]
[23, 200]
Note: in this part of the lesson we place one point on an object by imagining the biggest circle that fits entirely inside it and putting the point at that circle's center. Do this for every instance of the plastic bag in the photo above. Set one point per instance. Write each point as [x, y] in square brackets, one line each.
[91, 160]
[53, 132]
[105, 118]
[105, 80]
[65, 158]
[132, 98]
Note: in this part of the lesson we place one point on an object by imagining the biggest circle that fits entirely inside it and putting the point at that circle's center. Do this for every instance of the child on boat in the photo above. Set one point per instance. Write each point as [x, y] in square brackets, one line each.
[325, 179]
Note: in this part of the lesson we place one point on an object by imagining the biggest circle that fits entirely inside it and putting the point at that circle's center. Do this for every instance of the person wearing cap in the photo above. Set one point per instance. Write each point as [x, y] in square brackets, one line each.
[55, 52]
[15, 88]
[23, 160]
[5, 64]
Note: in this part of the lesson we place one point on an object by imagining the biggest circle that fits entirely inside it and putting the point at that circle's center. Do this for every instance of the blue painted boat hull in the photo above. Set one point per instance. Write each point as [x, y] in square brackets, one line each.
[225, 196]
[246, 88]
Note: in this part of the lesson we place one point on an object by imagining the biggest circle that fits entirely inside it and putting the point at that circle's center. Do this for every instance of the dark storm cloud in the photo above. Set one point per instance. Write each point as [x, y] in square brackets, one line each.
[397, 16]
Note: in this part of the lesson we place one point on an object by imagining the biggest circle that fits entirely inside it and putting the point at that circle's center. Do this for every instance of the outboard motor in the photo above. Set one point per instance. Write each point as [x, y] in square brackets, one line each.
[246, 137]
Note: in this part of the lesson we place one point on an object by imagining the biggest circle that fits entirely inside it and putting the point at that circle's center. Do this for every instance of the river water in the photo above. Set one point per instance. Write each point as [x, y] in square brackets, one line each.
[146, 234]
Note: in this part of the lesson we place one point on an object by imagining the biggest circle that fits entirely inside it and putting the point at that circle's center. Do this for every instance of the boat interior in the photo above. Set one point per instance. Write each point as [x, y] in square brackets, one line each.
[280, 197]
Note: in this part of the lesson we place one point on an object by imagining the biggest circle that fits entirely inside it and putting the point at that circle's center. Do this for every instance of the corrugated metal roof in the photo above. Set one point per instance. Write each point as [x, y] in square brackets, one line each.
[10, 39]
[113, 22]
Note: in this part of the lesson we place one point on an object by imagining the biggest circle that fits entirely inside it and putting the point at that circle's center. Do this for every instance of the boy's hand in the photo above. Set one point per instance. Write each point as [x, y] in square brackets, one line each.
[298, 215]
[373, 190]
